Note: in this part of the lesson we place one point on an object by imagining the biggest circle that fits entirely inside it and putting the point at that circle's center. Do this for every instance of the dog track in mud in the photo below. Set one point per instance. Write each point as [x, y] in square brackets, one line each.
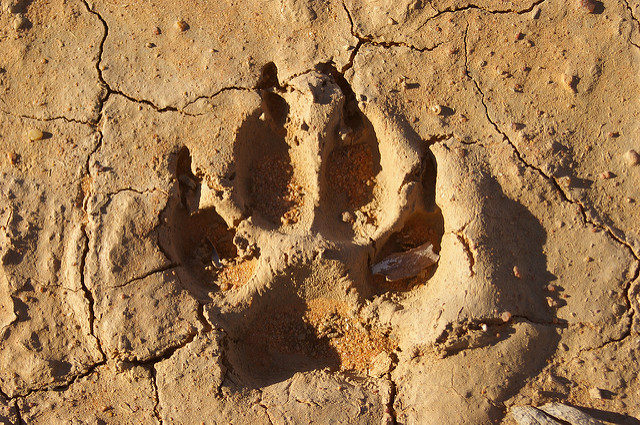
[302, 179]
[229, 205]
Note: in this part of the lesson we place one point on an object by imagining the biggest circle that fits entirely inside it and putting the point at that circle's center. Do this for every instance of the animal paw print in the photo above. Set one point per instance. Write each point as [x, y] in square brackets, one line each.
[312, 194]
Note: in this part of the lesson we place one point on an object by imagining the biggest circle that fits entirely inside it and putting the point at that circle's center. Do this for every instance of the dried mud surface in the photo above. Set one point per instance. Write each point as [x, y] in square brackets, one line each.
[192, 200]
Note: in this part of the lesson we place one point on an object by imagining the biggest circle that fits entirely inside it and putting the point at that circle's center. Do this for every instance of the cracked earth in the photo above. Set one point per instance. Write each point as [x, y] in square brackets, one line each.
[197, 203]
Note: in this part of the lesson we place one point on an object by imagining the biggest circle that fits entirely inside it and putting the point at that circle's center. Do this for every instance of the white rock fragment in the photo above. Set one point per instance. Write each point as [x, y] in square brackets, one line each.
[569, 414]
[528, 415]
[406, 264]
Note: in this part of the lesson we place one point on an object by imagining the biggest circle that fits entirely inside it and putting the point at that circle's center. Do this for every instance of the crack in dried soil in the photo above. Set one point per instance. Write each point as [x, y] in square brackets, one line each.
[18, 414]
[634, 19]
[47, 119]
[61, 386]
[370, 39]
[462, 238]
[482, 9]
[147, 274]
[88, 295]
[110, 90]
[156, 395]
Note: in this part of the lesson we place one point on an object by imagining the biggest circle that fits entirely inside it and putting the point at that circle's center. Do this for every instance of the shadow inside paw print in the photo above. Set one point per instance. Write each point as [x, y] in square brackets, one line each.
[199, 240]
[265, 180]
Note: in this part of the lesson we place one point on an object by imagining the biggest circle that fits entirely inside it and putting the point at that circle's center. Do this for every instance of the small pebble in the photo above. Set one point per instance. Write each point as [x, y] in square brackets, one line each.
[347, 217]
[35, 134]
[436, 109]
[150, 45]
[589, 5]
[345, 134]
[551, 302]
[157, 31]
[613, 134]
[484, 327]
[505, 316]
[181, 25]
[570, 82]
[20, 23]
[596, 393]
[13, 158]
[618, 309]
[516, 272]
[607, 175]
[535, 13]
[519, 36]
[632, 158]
[565, 181]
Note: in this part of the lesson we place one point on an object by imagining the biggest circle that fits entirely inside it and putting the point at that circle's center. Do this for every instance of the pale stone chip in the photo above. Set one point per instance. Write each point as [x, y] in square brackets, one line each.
[406, 264]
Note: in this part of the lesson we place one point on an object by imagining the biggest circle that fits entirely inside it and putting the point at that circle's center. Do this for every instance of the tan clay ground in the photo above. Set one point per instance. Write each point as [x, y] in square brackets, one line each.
[193, 195]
